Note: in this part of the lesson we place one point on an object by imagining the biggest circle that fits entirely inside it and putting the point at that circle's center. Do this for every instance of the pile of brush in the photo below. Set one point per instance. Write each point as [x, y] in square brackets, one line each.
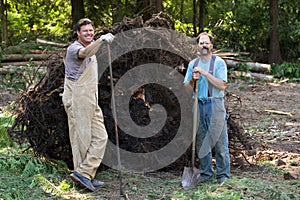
[42, 122]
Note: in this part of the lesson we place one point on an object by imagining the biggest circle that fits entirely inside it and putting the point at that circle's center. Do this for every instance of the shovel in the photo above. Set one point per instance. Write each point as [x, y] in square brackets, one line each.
[116, 123]
[191, 175]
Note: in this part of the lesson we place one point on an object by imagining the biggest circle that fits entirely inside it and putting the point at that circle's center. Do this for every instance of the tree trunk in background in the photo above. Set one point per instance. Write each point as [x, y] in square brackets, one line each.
[77, 11]
[181, 10]
[117, 12]
[3, 14]
[147, 8]
[201, 15]
[157, 6]
[275, 55]
[195, 17]
[143, 7]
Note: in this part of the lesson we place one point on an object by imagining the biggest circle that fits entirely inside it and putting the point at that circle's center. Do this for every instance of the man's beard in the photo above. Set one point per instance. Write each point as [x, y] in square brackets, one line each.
[204, 51]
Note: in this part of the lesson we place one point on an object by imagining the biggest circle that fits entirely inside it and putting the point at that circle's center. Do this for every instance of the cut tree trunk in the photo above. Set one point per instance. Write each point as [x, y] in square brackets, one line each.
[34, 63]
[23, 57]
[251, 75]
[13, 69]
[254, 66]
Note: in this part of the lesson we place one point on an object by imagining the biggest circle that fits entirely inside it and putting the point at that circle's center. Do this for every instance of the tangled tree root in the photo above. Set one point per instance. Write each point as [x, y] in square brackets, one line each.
[42, 122]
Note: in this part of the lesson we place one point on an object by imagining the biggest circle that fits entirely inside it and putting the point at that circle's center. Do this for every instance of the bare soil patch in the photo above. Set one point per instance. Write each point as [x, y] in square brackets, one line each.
[270, 114]
[6, 96]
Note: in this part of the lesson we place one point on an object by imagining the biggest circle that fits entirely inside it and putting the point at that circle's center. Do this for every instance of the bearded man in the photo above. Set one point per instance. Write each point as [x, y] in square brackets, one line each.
[210, 73]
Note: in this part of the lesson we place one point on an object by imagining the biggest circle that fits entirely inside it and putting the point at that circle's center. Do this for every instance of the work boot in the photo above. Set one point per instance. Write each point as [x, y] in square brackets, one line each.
[223, 180]
[83, 181]
[97, 184]
[205, 179]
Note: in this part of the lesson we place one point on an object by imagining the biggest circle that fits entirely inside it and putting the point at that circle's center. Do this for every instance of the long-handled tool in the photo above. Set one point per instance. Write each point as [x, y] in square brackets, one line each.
[191, 174]
[115, 120]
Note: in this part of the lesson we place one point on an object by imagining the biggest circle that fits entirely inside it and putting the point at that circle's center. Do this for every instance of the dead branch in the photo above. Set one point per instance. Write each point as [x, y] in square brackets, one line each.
[60, 45]
[231, 54]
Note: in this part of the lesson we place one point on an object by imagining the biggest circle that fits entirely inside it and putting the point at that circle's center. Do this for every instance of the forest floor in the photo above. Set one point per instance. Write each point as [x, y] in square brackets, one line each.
[269, 114]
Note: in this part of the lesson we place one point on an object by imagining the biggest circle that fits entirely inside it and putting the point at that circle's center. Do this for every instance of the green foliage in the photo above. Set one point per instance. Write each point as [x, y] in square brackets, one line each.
[24, 176]
[287, 70]
[237, 25]
[24, 46]
[173, 7]
[31, 19]
[241, 26]
[295, 163]
[289, 21]
[271, 168]
[99, 12]
[243, 67]
[20, 78]
[184, 27]
[6, 121]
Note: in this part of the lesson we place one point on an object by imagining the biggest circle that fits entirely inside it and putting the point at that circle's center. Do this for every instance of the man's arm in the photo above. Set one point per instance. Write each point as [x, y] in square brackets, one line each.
[190, 77]
[189, 86]
[92, 48]
[218, 83]
[89, 50]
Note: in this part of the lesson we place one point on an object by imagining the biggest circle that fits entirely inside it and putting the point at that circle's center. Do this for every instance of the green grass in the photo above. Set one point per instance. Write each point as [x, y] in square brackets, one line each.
[24, 176]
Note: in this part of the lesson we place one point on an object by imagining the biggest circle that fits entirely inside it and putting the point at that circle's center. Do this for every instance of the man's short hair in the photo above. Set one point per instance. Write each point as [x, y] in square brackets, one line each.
[205, 33]
[82, 22]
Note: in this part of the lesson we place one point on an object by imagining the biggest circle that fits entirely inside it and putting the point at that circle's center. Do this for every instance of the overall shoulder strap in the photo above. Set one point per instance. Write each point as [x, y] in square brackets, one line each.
[211, 71]
[196, 62]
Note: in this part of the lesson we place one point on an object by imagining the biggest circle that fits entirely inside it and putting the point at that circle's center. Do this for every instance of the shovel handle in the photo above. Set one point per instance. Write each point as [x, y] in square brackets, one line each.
[115, 120]
[195, 122]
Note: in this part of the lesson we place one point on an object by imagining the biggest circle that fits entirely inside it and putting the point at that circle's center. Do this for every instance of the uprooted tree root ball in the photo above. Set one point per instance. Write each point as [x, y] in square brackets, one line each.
[42, 122]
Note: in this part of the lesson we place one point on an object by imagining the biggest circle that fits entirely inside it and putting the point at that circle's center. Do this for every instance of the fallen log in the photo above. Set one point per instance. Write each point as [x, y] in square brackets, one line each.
[253, 66]
[261, 76]
[23, 57]
[13, 69]
[25, 63]
[231, 54]
[60, 45]
[251, 75]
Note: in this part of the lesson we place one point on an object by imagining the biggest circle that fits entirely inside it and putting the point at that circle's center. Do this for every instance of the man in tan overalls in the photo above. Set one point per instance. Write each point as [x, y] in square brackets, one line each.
[87, 132]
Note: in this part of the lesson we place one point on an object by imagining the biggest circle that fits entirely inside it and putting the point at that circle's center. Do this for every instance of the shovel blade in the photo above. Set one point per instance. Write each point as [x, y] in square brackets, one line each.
[190, 177]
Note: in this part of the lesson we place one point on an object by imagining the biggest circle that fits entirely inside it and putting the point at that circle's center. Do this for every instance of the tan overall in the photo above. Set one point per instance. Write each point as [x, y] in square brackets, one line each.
[87, 132]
